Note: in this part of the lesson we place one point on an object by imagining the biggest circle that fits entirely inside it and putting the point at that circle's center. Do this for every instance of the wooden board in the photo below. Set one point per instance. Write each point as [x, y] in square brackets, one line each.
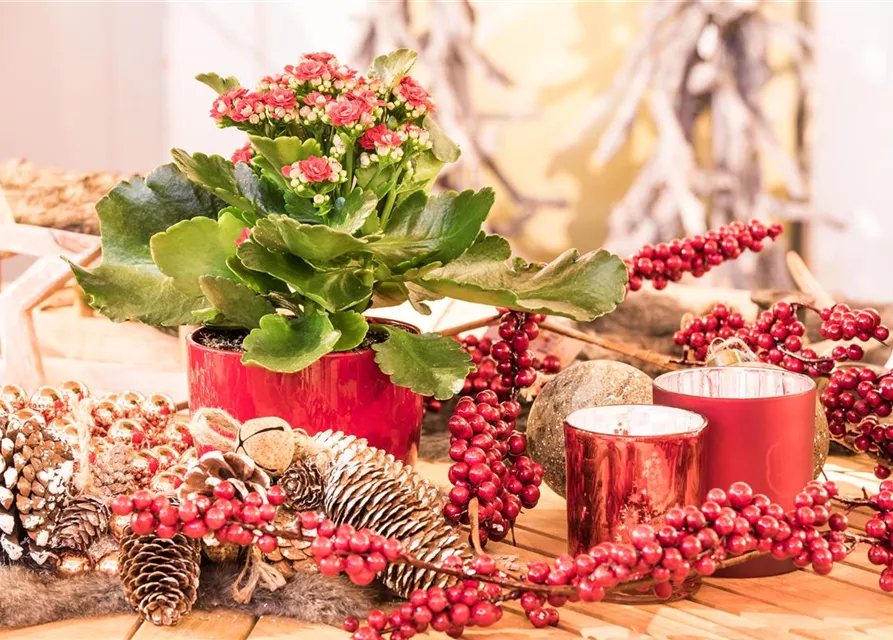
[846, 605]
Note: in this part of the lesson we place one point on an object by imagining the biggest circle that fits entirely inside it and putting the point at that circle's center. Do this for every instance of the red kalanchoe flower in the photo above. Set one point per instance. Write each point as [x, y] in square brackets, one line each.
[346, 111]
[315, 169]
[280, 98]
[308, 70]
[251, 104]
[243, 154]
[414, 94]
[341, 71]
[316, 99]
[366, 95]
[320, 56]
[380, 136]
[223, 105]
[246, 233]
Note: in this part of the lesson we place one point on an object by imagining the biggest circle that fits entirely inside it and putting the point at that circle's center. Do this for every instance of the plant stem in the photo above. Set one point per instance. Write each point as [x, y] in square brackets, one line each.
[392, 195]
[646, 355]
[348, 185]
[471, 326]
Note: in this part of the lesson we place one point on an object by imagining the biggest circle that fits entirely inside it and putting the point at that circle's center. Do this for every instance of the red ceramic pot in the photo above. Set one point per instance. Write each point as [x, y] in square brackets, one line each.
[340, 391]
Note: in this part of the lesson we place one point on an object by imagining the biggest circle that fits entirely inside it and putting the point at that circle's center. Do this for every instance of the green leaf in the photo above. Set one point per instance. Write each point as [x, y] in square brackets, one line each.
[334, 290]
[317, 244]
[419, 297]
[350, 213]
[391, 68]
[429, 363]
[300, 209]
[285, 150]
[255, 280]
[236, 185]
[389, 294]
[218, 84]
[353, 328]
[136, 292]
[443, 148]
[579, 287]
[375, 178]
[235, 301]
[288, 344]
[193, 248]
[128, 285]
[426, 229]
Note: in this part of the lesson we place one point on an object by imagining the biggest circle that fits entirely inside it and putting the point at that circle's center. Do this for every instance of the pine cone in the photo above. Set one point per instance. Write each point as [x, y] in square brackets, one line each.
[111, 472]
[160, 575]
[215, 467]
[81, 523]
[37, 470]
[289, 555]
[366, 487]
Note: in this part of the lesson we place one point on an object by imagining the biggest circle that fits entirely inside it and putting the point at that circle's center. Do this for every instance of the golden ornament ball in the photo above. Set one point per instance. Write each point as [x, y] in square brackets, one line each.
[269, 442]
[585, 384]
[822, 440]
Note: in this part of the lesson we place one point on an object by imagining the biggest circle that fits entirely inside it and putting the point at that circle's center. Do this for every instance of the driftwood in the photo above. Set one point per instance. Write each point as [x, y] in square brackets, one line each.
[53, 198]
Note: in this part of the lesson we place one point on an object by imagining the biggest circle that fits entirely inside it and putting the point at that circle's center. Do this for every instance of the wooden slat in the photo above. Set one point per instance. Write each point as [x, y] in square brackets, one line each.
[278, 628]
[119, 627]
[218, 624]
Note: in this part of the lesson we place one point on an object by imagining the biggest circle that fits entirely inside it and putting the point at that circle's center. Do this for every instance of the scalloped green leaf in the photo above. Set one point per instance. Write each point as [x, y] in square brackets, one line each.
[390, 68]
[428, 363]
[350, 213]
[193, 248]
[287, 344]
[317, 244]
[285, 149]
[235, 301]
[218, 84]
[128, 285]
[353, 328]
[443, 148]
[574, 286]
[438, 228]
[334, 290]
[234, 184]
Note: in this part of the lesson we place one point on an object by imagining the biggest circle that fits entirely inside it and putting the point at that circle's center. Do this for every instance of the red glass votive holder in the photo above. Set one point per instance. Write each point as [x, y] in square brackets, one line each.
[629, 465]
[762, 425]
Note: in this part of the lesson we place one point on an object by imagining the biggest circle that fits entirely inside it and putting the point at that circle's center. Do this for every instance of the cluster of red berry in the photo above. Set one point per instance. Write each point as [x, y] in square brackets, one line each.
[776, 336]
[490, 465]
[668, 261]
[239, 521]
[880, 528]
[692, 540]
[854, 399]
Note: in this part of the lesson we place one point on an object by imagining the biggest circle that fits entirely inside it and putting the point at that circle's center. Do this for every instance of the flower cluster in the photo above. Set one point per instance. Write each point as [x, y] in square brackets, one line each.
[360, 119]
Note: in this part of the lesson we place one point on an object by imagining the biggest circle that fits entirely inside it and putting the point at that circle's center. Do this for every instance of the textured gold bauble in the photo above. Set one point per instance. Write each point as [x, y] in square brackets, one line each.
[586, 384]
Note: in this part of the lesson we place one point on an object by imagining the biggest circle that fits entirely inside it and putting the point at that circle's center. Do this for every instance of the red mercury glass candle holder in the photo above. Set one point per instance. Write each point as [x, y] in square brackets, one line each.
[762, 425]
[629, 465]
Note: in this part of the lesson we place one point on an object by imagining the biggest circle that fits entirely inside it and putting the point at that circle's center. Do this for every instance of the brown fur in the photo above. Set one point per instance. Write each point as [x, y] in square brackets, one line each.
[30, 598]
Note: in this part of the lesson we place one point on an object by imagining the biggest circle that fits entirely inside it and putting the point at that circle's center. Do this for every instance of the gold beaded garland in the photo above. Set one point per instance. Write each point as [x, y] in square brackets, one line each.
[14, 395]
[158, 409]
[73, 391]
[106, 413]
[48, 402]
[131, 404]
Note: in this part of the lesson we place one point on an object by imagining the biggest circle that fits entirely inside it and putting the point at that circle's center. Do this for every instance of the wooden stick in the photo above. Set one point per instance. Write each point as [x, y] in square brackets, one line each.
[646, 355]
[807, 282]
[470, 326]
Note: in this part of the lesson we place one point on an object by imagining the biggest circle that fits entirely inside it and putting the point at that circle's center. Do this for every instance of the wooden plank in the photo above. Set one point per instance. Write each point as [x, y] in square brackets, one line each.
[117, 627]
[278, 628]
[217, 624]
[31, 240]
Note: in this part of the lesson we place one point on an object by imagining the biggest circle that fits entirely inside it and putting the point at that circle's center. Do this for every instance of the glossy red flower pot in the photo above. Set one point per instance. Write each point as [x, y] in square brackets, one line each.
[340, 391]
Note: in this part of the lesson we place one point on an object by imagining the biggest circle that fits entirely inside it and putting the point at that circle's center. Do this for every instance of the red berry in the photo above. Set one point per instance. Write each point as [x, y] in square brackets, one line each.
[143, 523]
[195, 529]
[224, 491]
[142, 500]
[122, 505]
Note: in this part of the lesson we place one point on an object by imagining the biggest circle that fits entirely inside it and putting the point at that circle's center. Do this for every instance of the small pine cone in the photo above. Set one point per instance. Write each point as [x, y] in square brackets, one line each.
[365, 487]
[289, 555]
[160, 575]
[81, 523]
[111, 472]
[37, 469]
[216, 467]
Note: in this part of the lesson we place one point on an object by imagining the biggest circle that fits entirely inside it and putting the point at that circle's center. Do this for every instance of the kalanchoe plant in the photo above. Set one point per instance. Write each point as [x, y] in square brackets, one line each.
[323, 214]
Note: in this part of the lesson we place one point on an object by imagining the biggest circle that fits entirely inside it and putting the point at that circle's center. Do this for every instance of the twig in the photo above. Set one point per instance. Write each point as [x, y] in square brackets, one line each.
[474, 517]
[471, 326]
[806, 281]
[646, 355]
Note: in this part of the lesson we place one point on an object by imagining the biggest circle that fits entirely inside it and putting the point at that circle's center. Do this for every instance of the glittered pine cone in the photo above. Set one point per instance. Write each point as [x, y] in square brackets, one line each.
[111, 472]
[216, 467]
[160, 575]
[37, 467]
[80, 524]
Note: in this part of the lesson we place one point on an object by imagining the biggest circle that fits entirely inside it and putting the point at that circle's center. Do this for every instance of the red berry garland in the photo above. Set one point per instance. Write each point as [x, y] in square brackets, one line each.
[490, 465]
[669, 261]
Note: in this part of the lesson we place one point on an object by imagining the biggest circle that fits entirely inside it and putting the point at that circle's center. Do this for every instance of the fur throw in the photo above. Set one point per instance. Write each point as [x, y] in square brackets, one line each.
[30, 597]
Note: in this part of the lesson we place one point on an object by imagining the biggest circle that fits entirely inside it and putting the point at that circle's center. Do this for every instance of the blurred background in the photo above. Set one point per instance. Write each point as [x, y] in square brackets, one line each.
[604, 123]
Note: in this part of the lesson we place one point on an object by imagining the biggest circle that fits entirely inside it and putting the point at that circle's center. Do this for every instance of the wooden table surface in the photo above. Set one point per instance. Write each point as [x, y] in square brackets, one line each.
[845, 604]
